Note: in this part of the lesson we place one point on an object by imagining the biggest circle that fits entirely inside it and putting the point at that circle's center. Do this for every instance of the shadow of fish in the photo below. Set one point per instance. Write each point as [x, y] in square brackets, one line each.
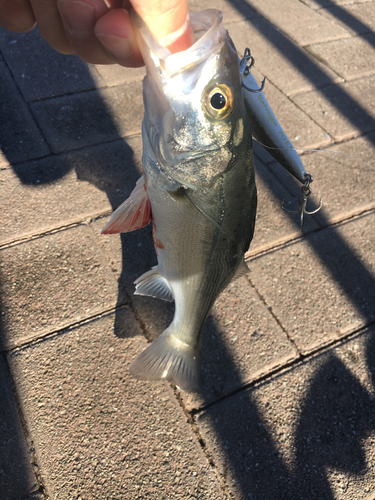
[198, 189]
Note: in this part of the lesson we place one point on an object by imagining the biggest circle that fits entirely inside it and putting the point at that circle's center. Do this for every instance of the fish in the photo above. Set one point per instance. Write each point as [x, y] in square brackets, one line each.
[197, 188]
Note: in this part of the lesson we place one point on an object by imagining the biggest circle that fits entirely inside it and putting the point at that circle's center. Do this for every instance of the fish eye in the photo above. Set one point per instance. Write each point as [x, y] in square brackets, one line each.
[218, 102]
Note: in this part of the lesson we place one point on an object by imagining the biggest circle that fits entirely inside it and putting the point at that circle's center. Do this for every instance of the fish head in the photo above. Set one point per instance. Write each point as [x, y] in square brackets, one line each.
[194, 111]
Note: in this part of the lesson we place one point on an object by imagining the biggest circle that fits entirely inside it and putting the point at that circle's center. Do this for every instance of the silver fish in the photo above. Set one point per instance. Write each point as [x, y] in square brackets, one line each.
[198, 189]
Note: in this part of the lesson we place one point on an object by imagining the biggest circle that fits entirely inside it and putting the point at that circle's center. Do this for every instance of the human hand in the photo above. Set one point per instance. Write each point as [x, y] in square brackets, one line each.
[99, 31]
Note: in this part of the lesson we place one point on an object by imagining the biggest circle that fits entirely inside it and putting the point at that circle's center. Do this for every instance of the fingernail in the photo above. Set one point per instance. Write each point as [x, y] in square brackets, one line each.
[118, 46]
[78, 17]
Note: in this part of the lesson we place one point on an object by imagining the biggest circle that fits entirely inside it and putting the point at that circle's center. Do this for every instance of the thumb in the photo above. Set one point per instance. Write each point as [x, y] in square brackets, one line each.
[167, 20]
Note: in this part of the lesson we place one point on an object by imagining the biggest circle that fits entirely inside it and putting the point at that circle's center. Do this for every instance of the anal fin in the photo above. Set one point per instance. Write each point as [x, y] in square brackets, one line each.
[133, 214]
[153, 284]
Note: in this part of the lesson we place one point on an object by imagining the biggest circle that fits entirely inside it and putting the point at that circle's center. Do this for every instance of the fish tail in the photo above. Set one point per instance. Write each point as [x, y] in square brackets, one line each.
[168, 358]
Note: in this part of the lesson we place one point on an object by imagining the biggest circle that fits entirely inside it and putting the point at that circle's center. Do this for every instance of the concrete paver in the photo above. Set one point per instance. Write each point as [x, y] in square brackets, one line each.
[232, 11]
[98, 432]
[63, 189]
[21, 140]
[342, 179]
[343, 110]
[51, 282]
[242, 342]
[356, 18]
[17, 476]
[286, 65]
[301, 285]
[297, 21]
[318, 4]
[307, 433]
[357, 61]
[41, 72]
[80, 120]
[341, 173]
[113, 74]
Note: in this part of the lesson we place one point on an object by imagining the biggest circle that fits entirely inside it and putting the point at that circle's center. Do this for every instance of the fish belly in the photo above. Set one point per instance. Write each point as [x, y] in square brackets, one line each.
[200, 237]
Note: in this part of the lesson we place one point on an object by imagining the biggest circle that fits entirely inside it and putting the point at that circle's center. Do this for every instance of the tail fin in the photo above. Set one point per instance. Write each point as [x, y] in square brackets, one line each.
[169, 359]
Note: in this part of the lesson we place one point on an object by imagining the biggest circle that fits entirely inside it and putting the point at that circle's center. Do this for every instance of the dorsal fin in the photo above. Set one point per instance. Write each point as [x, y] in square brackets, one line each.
[133, 214]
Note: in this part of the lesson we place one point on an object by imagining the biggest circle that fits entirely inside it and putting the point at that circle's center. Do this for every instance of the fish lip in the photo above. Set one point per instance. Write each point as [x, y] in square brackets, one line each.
[173, 64]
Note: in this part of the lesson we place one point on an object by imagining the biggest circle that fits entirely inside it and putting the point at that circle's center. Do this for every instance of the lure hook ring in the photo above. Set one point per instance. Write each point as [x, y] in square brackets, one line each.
[247, 62]
[306, 191]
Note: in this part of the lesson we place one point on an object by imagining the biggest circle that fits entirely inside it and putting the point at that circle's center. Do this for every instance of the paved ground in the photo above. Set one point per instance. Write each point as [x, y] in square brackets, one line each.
[287, 410]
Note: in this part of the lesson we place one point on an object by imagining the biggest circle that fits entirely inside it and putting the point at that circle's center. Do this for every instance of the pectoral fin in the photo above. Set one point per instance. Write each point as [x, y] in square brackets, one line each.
[133, 214]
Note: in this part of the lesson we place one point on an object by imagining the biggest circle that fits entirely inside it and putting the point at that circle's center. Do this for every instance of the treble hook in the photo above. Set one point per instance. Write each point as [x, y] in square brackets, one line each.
[247, 62]
[306, 191]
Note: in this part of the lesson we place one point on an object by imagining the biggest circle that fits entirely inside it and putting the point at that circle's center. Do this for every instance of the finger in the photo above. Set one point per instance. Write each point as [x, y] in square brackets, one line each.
[167, 20]
[79, 18]
[115, 31]
[50, 25]
[16, 16]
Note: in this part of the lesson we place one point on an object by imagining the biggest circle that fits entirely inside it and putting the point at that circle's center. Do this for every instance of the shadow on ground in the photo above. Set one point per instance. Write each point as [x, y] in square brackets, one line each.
[324, 433]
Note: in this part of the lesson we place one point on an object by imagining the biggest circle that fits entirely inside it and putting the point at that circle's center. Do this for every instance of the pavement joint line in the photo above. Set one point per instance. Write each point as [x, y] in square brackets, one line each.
[141, 323]
[321, 59]
[67, 152]
[64, 329]
[281, 370]
[275, 317]
[191, 422]
[259, 252]
[349, 78]
[68, 94]
[326, 132]
[86, 221]
[26, 103]
[339, 142]
[335, 142]
[267, 249]
[303, 48]
[29, 441]
[94, 89]
[106, 312]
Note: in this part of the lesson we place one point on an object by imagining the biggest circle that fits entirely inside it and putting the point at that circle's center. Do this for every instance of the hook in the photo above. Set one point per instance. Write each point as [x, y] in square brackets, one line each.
[246, 63]
[306, 191]
[244, 66]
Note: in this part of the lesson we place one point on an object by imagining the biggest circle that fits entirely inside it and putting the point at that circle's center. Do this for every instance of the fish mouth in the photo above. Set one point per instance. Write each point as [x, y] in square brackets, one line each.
[207, 28]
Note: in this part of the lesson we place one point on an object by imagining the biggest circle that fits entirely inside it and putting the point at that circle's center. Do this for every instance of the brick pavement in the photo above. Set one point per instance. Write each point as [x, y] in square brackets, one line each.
[287, 410]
